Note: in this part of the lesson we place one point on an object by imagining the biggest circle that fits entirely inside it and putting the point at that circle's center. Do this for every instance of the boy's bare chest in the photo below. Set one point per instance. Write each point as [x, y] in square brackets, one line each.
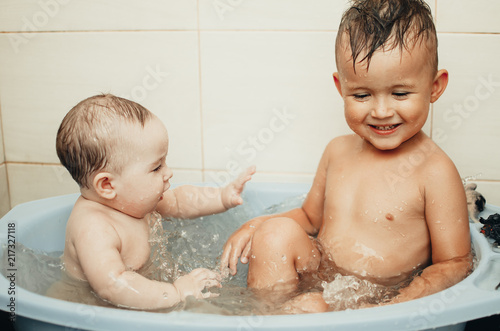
[368, 220]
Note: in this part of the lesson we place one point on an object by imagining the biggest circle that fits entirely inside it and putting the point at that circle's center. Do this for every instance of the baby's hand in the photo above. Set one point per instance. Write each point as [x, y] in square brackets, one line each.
[195, 282]
[231, 194]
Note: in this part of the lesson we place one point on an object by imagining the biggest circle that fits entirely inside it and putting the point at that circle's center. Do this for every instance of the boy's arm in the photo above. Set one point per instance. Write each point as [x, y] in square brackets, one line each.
[188, 201]
[98, 253]
[448, 224]
[309, 217]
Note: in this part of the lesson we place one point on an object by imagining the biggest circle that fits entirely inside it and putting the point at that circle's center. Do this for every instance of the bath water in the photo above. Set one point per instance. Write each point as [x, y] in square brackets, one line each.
[179, 246]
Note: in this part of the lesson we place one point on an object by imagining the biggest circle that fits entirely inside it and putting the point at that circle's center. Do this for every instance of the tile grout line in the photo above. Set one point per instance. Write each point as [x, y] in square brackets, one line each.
[5, 160]
[202, 145]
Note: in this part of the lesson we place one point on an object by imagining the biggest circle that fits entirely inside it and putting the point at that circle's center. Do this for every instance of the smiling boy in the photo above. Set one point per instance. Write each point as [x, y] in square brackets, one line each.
[365, 223]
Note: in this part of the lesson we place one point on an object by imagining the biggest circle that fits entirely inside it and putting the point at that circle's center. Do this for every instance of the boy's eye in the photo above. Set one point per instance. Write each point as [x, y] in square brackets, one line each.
[157, 168]
[360, 96]
[400, 94]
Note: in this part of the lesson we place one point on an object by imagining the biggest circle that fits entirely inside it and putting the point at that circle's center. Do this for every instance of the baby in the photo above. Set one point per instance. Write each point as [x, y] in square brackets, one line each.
[115, 150]
[386, 202]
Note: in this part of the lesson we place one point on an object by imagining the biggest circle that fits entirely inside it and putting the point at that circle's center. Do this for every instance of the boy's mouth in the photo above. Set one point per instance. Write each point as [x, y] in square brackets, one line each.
[384, 129]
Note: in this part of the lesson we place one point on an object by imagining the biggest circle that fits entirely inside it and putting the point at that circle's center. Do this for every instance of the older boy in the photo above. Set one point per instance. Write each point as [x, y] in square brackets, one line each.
[369, 220]
[115, 149]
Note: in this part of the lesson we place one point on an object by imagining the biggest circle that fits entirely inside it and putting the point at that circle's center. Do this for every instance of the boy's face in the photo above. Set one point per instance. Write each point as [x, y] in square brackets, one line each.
[388, 103]
[144, 178]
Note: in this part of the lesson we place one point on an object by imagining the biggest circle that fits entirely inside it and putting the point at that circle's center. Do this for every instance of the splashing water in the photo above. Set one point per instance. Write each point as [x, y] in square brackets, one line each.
[350, 292]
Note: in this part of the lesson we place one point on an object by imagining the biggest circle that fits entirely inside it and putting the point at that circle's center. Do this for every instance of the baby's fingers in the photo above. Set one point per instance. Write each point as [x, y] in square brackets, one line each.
[245, 176]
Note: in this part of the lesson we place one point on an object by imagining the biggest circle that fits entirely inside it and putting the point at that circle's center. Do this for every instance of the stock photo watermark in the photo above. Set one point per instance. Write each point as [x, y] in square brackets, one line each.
[48, 9]
[456, 115]
[152, 79]
[459, 112]
[429, 312]
[222, 7]
[246, 151]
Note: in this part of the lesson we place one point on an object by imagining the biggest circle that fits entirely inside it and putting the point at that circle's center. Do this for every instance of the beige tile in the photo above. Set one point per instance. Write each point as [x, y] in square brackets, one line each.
[468, 16]
[2, 151]
[4, 191]
[57, 70]
[269, 99]
[466, 117]
[270, 14]
[57, 15]
[182, 176]
[32, 182]
[224, 177]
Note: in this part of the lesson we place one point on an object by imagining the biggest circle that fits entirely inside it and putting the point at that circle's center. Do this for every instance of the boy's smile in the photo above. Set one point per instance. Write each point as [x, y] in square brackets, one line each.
[387, 102]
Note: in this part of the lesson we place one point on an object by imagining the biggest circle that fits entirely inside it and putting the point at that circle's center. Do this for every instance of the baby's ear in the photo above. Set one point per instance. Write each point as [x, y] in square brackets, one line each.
[439, 84]
[103, 185]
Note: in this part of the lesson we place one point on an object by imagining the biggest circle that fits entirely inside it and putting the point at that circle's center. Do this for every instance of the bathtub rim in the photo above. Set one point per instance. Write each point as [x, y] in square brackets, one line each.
[472, 304]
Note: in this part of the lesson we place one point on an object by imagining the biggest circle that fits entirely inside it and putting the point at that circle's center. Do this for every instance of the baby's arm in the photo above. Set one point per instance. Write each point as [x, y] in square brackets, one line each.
[98, 252]
[189, 201]
[448, 223]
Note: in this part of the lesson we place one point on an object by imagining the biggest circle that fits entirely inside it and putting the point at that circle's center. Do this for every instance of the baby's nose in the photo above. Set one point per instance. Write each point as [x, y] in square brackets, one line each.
[168, 174]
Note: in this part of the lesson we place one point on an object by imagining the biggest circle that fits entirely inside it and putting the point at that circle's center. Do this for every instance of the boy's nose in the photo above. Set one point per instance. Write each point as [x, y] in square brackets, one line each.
[381, 110]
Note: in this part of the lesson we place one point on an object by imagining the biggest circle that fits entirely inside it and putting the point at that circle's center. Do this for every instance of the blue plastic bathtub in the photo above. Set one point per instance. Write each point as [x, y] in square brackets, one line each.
[41, 225]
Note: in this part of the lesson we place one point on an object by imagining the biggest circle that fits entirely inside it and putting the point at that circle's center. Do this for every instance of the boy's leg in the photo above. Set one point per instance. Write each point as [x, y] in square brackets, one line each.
[281, 249]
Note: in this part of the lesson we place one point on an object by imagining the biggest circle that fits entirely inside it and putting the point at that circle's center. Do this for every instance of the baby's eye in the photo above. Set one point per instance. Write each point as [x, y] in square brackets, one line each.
[157, 168]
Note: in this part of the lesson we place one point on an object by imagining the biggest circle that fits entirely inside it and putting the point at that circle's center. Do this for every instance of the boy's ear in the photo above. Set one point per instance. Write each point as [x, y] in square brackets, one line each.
[336, 79]
[439, 84]
[103, 185]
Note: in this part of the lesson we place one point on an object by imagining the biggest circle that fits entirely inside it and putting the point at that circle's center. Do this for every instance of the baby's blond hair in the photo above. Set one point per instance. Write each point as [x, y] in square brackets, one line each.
[90, 130]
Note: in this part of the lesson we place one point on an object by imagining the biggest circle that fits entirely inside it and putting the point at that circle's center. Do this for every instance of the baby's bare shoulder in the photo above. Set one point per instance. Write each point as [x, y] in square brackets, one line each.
[89, 217]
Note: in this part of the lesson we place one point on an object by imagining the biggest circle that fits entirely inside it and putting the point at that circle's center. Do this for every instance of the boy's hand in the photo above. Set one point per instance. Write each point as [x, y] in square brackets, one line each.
[231, 194]
[239, 245]
[195, 282]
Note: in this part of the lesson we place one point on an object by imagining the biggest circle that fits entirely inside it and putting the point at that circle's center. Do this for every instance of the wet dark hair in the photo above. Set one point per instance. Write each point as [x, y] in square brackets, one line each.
[90, 129]
[371, 24]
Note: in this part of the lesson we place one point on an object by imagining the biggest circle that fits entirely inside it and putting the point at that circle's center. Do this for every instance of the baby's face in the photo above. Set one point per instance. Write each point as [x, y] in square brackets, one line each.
[145, 177]
[387, 103]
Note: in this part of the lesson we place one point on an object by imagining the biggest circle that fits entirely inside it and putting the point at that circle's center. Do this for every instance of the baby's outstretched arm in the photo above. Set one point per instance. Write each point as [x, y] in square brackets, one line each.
[188, 201]
[99, 256]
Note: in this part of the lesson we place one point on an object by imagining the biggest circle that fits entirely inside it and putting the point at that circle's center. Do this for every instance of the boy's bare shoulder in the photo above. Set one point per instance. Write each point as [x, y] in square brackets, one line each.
[434, 161]
[342, 144]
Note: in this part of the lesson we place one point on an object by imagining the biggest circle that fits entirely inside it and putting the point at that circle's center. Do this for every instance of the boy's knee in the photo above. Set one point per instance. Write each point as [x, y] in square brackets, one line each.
[277, 232]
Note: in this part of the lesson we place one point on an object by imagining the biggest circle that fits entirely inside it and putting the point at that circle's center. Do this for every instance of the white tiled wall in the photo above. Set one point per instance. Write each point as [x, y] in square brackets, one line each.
[236, 83]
